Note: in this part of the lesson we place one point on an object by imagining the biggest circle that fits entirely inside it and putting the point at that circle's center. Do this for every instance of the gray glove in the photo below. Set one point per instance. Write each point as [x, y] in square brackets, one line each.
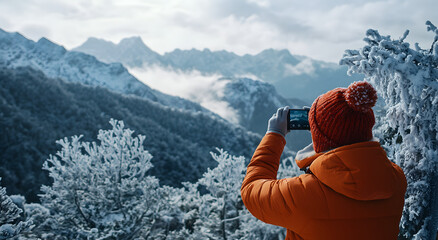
[278, 122]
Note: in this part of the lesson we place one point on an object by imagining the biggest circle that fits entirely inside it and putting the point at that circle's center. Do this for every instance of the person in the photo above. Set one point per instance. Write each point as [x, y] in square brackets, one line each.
[350, 190]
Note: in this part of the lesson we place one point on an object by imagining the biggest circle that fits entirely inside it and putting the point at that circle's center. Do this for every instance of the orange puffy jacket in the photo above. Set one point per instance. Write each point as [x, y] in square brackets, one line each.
[352, 192]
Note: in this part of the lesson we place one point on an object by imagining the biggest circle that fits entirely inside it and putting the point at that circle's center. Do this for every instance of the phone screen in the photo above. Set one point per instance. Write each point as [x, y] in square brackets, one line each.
[298, 119]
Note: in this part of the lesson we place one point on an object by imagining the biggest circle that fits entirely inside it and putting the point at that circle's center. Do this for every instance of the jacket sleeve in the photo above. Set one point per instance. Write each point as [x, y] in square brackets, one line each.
[268, 199]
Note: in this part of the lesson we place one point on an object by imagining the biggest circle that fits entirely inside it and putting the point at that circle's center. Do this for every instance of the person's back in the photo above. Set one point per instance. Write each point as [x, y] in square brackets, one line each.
[350, 191]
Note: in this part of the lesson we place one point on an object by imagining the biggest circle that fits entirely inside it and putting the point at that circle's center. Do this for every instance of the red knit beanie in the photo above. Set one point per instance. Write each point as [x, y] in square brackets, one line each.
[343, 116]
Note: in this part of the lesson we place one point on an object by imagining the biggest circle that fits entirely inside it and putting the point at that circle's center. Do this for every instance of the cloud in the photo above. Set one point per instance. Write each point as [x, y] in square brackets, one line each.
[205, 90]
[319, 29]
[36, 31]
[303, 67]
[261, 3]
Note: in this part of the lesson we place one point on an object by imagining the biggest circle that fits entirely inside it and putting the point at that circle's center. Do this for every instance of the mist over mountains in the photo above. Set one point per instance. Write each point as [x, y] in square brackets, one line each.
[199, 77]
[56, 62]
[49, 93]
[293, 76]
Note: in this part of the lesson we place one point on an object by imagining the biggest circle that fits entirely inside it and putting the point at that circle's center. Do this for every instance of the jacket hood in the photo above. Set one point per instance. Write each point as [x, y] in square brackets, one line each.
[360, 171]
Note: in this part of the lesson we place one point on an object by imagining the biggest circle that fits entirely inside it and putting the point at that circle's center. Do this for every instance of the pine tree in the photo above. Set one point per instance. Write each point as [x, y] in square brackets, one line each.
[407, 79]
[10, 217]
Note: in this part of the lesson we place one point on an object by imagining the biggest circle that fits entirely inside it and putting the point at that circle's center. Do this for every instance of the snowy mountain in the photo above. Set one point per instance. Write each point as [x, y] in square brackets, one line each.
[293, 76]
[56, 62]
[253, 101]
[45, 97]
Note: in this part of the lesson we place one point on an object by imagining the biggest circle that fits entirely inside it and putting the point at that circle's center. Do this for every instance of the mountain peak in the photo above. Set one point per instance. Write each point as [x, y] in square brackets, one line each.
[97, 40]
[137, 39]
[13, 35]
[130, 51]
[4, 34]
[272, 51]
[133, 42]
[93, 42]
[44, 40]
[45, 43]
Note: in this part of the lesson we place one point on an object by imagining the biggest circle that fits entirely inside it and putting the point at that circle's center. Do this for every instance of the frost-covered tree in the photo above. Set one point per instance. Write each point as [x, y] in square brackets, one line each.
[10, 216]
[102, 190]
[407, 79]
[220, 213]
[219, 209]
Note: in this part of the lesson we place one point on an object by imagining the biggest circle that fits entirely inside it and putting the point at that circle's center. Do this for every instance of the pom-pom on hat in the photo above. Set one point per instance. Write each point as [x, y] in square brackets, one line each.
[343, 116]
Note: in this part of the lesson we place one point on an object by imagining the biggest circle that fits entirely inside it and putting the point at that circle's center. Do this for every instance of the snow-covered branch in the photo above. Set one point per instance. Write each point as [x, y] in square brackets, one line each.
[407, 79]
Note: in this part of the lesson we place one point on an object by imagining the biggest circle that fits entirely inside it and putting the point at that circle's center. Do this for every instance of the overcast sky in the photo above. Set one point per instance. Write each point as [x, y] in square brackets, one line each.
[321, 29]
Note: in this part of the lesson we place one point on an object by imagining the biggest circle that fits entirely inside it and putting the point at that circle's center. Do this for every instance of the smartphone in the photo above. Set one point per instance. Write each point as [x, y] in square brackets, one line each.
[298, 119]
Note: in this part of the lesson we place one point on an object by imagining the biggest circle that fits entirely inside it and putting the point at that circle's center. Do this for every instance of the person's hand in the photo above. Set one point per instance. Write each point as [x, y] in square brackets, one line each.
[278, 122]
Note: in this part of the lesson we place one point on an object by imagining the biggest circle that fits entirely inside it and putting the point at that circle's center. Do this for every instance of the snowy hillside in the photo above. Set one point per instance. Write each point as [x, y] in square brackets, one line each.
[56, 62]
[293, 76]
[36, 111]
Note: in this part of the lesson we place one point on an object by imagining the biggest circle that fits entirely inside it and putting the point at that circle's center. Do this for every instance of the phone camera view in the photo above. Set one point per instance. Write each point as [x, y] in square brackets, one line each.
[298, 119]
